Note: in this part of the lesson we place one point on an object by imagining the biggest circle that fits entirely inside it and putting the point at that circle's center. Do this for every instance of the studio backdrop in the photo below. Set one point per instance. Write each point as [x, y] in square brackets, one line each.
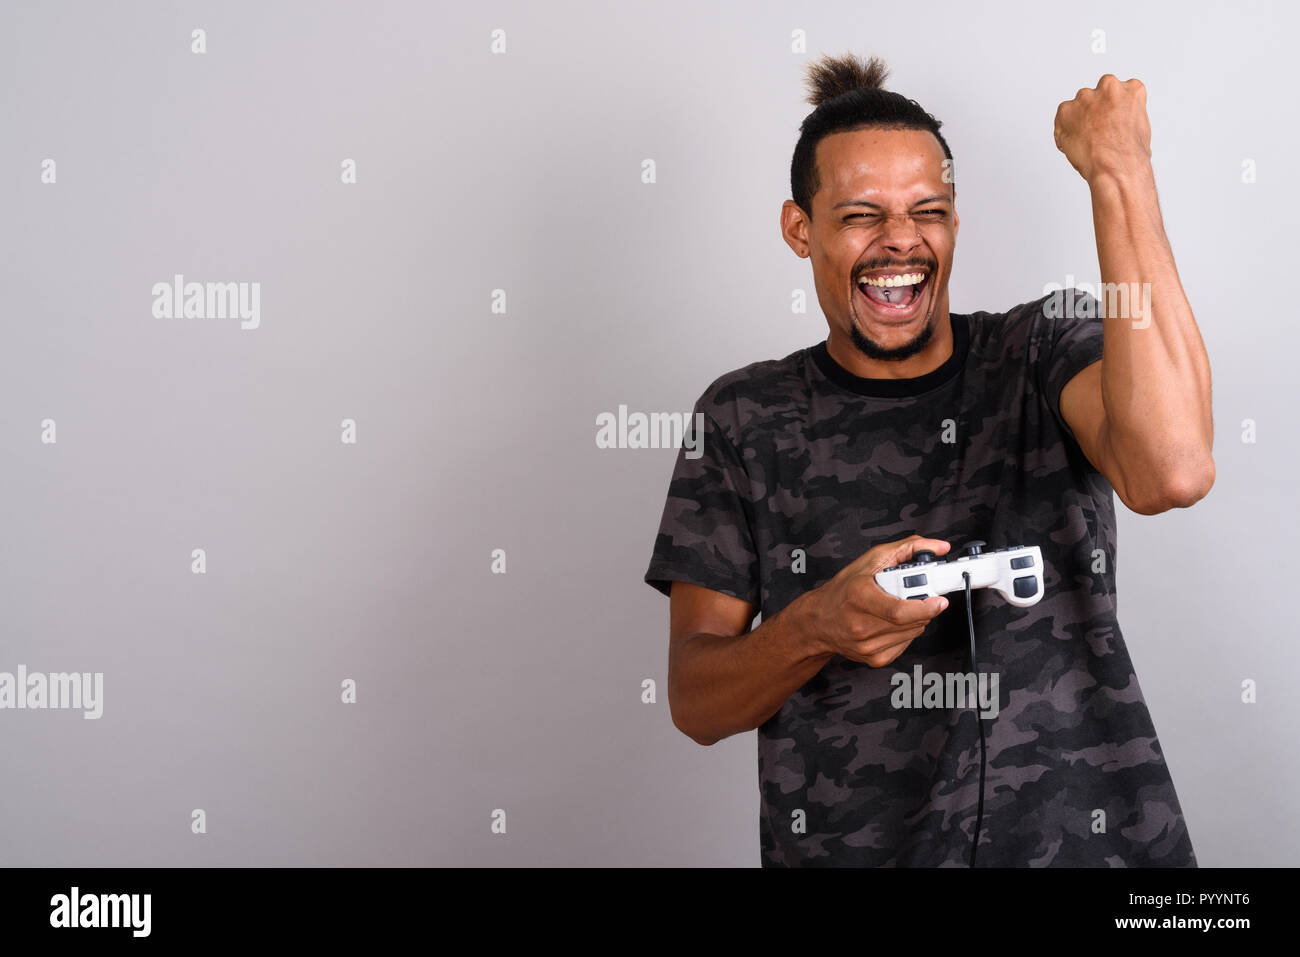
[329, 563]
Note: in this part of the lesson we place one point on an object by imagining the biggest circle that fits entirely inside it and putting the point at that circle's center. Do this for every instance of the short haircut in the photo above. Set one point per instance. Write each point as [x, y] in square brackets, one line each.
[848, 95]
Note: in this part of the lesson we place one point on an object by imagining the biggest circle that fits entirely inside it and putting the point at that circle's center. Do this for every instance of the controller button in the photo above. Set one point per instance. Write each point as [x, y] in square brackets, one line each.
[1026, 586]
[1026, 562]
[917, 597]
[914, 581]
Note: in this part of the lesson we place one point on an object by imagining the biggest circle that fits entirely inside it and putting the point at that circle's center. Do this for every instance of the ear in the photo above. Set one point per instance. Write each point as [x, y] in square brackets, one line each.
[794, 228]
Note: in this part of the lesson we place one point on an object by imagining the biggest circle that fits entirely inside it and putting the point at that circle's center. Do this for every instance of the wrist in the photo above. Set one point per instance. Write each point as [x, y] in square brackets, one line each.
[1122, 178]
[807, 625]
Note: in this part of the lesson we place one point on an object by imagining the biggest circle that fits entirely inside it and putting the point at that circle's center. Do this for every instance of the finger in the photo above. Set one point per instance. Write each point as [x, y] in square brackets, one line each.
[892, 640]
[895, 553]
[905, 612]
[878, 653]
[887, 658]
[869, 606]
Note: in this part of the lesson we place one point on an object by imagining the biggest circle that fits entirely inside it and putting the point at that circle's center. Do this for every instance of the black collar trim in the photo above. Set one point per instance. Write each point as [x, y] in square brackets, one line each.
[899, 388]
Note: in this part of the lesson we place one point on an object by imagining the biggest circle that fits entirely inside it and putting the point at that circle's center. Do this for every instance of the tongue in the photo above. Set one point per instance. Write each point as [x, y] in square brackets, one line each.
[891, 295]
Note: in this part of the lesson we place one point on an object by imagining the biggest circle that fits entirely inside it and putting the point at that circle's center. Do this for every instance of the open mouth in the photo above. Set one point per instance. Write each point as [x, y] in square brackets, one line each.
[895, 295]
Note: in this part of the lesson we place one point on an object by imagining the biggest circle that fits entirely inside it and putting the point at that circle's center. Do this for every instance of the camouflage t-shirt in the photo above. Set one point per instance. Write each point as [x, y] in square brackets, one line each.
[805, 466]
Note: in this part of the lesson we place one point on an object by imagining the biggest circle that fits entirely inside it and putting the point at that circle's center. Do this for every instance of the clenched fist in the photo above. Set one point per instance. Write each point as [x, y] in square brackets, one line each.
[1105, 130]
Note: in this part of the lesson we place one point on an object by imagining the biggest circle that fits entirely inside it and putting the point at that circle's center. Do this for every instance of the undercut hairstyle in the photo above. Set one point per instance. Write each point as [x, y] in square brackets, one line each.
[848, 94]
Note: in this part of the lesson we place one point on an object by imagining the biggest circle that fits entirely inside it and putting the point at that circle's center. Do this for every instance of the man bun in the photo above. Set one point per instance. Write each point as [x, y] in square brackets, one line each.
[834, 76]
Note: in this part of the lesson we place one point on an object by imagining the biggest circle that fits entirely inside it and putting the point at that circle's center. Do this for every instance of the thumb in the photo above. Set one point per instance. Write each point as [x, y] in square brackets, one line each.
[896, 553]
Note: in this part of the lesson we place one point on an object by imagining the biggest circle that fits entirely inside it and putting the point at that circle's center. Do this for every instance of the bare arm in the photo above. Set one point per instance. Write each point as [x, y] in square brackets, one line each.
[724, 679]
[1143, 414]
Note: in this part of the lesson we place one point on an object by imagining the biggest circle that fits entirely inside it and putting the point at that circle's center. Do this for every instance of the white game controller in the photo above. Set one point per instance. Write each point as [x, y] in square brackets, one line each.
[1016, 572]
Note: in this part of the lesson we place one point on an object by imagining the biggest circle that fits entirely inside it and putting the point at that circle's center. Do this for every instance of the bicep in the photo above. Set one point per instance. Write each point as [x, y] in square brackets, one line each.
[694, 610]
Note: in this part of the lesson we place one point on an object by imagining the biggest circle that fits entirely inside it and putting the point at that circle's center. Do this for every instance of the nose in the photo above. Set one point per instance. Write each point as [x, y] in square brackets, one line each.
[901, 234]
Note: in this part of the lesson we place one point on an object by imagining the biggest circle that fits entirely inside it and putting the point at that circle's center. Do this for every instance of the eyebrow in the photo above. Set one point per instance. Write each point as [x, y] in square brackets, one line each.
[863, 202]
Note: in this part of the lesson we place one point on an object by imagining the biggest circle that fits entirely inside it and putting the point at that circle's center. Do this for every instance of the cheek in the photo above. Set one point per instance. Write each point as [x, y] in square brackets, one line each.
[942, 255]
[941, 239]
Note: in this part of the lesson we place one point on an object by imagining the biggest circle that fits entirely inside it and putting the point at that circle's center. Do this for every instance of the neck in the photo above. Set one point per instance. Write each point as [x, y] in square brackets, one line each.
[936, 352]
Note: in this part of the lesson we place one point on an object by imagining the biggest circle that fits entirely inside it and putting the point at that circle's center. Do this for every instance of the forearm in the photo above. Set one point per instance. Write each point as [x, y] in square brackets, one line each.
[1155, 371]
[723, 685]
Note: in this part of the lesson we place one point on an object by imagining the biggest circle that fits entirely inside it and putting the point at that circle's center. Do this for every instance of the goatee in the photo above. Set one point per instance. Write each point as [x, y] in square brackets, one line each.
[908, 349]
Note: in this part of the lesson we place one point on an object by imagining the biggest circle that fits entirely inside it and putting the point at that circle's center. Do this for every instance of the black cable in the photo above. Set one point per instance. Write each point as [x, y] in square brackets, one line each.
[979, 722]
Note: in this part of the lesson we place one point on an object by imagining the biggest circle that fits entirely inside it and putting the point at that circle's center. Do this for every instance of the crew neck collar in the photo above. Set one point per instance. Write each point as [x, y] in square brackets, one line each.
[899, 388]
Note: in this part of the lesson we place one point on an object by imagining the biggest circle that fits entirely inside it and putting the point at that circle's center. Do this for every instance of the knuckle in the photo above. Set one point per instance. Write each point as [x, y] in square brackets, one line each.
[895, 614]
[890, 655]
[851, 624]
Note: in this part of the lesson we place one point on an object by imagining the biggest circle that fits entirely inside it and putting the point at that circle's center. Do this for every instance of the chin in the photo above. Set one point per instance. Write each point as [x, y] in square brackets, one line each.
[895, 353]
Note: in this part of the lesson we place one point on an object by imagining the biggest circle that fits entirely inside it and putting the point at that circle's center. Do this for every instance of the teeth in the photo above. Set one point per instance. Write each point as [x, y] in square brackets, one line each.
[910, 279]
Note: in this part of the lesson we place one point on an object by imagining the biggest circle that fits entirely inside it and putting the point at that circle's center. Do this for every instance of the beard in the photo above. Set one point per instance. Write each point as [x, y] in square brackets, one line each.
[873, 350]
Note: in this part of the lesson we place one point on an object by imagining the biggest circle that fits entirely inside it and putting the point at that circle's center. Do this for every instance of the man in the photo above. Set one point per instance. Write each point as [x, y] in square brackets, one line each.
[912, 429]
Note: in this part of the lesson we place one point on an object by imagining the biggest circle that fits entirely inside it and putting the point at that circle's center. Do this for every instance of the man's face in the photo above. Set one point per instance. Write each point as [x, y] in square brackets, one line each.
[883, 210]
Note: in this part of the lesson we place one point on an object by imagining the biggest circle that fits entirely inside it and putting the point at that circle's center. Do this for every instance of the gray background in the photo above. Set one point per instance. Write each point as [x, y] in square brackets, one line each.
[476, 431]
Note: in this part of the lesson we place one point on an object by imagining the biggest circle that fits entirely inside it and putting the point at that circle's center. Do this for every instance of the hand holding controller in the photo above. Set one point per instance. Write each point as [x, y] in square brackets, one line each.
[1016, 572]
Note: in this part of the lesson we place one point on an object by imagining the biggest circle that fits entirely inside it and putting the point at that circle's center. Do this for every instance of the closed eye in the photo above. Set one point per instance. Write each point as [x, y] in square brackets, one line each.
[932, 213]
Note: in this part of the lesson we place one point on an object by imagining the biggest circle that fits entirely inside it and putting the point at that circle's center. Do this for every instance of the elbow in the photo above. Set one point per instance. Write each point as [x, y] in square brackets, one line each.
[1183, 489]
[700, 739]
[685, 728]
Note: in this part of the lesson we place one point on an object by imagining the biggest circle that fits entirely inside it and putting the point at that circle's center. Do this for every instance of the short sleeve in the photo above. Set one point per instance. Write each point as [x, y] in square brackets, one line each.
[1074, 341]
[706, 536]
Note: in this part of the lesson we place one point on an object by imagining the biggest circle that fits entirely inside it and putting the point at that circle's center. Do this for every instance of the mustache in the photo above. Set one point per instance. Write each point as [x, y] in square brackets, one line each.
[928, 265]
